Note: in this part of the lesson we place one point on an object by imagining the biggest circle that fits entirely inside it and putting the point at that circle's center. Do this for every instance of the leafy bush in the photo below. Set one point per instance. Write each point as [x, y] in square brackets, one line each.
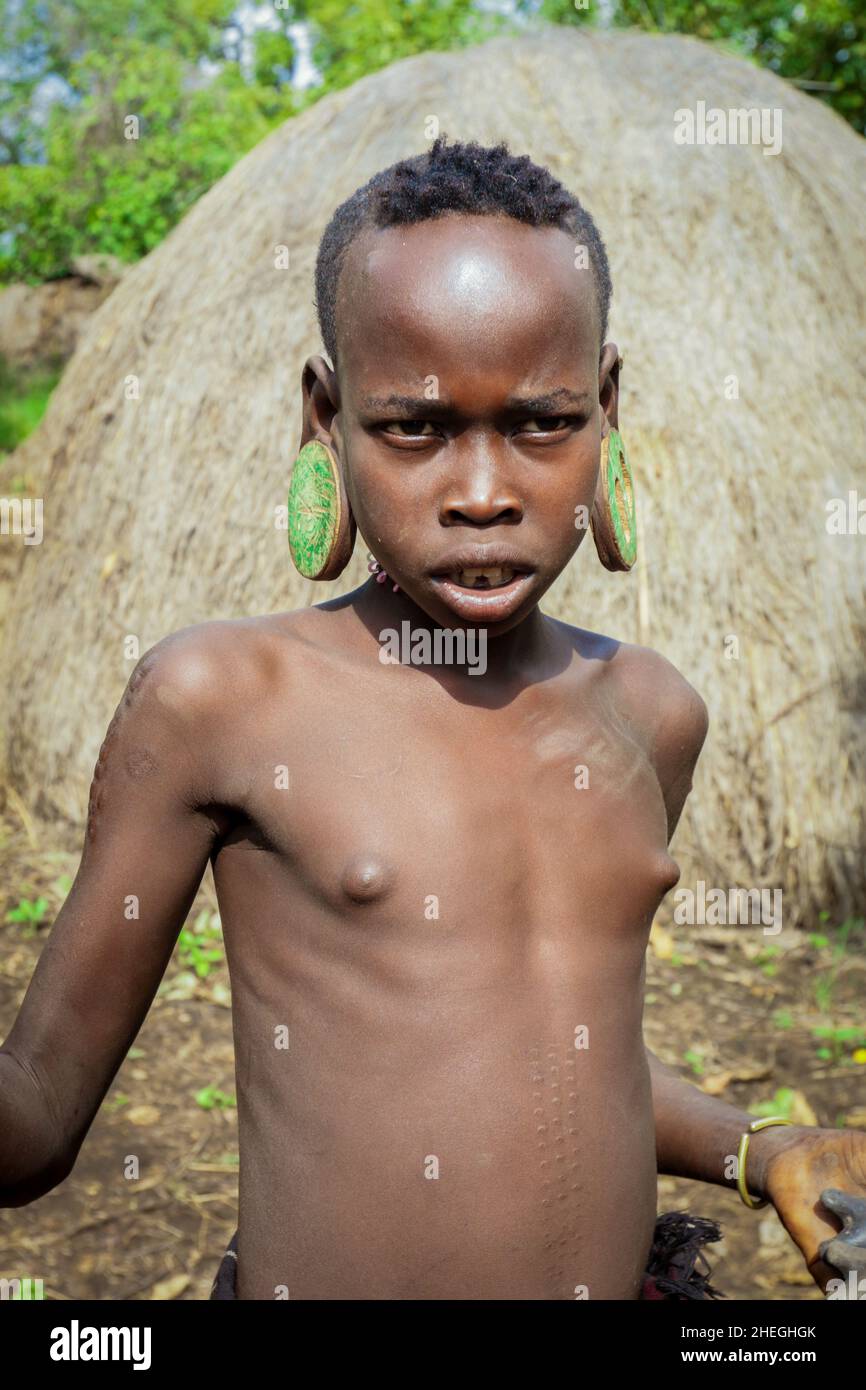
[75, 176]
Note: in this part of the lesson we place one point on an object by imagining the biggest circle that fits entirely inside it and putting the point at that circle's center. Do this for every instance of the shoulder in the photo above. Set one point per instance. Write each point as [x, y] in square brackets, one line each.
[198, 687]
[659, 704]
[645, 686]
[190, 670]
[191, 704]
[659, 698]
[154, 740]
[672, 718]
[204, 667]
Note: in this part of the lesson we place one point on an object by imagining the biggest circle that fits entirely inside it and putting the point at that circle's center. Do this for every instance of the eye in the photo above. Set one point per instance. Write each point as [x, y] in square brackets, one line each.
[546, 424]
[408, 429]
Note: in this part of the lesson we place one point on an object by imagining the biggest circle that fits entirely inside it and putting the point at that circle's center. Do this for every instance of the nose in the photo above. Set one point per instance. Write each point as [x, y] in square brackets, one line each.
[482, 497]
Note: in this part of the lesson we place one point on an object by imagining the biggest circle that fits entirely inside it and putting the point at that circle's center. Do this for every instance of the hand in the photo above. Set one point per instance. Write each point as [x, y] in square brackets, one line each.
[803, 1162]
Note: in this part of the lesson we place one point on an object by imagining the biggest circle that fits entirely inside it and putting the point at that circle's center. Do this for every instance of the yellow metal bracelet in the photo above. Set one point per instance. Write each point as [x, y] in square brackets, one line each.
[754, 1202]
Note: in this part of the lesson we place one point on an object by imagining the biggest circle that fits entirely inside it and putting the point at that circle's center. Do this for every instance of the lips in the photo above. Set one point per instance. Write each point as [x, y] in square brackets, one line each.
[483, 606]
[495, 563]
[483, 584]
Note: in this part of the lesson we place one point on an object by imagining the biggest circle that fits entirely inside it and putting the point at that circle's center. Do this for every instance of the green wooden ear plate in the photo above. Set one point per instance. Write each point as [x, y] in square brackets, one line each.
[619, 495]
[314, 509]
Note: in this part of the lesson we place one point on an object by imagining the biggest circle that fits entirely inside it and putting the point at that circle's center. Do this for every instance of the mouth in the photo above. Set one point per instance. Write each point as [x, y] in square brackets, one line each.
[483, 592]
[490, 577]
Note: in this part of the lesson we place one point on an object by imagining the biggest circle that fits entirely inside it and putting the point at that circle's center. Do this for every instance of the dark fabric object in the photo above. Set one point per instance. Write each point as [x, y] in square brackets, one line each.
[225, 1283]
[677, 1269]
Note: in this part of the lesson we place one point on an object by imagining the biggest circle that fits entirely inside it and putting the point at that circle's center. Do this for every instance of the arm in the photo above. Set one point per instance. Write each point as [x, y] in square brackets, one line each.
[148, 838]
[790, 1166]
[697, 1135]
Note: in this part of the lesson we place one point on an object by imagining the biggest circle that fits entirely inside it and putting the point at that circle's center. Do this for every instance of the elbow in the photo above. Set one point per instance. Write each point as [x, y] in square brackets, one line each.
[20, 1189]
[33, 1157]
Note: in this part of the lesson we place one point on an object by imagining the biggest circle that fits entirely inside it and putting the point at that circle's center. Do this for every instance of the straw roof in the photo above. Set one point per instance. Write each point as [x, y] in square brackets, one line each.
[738, 306]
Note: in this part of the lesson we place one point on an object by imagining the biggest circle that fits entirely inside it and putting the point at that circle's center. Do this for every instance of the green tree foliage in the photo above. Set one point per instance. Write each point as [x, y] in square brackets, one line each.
[820, 45]
[355, 37]
[74, 71]
[83, 176]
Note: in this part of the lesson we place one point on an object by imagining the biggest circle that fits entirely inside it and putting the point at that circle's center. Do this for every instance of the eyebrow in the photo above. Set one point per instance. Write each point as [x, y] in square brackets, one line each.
[422, 408]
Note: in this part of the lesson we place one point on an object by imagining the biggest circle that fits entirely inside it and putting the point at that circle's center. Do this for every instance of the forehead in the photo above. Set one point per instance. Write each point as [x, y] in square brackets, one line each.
[459, 293]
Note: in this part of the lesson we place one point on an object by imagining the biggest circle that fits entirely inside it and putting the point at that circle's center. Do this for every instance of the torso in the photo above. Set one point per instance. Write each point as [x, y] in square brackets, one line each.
[453, 935]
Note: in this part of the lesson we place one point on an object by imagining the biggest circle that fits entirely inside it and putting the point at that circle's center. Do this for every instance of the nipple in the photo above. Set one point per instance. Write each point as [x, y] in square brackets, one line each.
[366, 878]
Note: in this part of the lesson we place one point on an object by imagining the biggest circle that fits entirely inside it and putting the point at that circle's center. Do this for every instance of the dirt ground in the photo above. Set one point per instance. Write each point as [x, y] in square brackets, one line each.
[736, 1016]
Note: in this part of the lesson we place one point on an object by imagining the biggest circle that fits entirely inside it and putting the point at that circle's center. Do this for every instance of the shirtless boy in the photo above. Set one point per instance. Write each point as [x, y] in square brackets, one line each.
[424, 900]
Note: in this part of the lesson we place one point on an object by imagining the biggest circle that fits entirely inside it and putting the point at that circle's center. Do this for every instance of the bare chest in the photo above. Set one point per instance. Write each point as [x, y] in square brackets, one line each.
[391, 821]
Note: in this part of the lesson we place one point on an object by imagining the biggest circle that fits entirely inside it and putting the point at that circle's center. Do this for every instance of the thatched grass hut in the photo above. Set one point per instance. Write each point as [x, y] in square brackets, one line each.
[739, 308]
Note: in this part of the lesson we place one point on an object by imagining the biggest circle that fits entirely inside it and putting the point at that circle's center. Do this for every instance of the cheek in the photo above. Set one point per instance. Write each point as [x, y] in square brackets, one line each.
[383, 501]
[563, 501]
[363, 486]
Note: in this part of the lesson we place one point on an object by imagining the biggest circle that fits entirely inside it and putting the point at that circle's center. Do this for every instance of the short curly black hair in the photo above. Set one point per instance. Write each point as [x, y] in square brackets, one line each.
[470, 178]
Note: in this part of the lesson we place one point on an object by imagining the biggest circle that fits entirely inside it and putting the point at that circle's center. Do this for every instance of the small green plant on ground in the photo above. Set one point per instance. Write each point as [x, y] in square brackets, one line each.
[835, 941]
[782, 1104]
[31, 914]
[200, 945]
[837, 1042]
[212, 1098]
[695, 1059]
[767, 959]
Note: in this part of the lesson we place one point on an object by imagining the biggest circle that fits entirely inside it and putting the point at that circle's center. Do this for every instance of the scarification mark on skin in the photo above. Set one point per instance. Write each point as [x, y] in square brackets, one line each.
[615, 756]
[350, 758]
[97, 789]
[140, 763]
[553, 1080]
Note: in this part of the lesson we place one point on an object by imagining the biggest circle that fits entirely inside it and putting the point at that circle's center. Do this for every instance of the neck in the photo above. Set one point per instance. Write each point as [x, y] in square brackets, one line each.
[510, 655]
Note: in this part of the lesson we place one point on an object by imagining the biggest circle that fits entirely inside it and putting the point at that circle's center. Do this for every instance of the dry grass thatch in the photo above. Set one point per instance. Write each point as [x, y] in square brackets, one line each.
[726, 261]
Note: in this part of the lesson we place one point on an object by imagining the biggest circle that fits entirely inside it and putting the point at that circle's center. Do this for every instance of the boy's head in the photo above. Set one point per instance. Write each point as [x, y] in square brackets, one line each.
[463, 299]
[459, 178]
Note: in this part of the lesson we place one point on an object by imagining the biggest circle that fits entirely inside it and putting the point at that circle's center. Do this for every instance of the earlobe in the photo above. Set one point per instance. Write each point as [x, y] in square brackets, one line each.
[613, 512]
[321, 526]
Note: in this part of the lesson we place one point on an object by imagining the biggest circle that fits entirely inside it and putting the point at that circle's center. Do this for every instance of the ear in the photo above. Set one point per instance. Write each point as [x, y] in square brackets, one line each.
[320, 554]
[608, 386]
[612, 516]
[320, 402]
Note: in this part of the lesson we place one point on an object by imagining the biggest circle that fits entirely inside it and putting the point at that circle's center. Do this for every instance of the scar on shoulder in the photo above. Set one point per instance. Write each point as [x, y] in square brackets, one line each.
[139, 763]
